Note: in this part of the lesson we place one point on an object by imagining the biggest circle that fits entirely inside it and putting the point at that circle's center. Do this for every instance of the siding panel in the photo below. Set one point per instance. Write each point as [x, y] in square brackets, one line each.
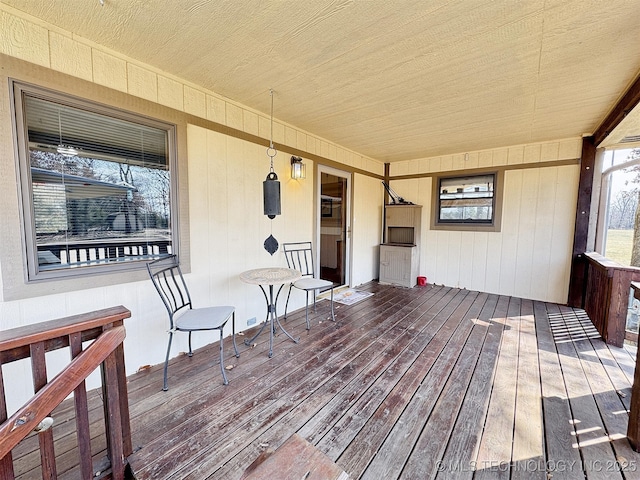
[526, 230]
[530, 256]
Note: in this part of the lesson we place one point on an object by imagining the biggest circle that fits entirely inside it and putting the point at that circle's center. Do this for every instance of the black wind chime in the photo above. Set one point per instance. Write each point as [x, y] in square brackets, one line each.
[271, 191]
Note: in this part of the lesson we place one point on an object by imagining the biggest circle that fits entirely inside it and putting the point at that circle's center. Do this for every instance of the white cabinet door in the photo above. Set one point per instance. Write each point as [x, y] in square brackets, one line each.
[397, 265]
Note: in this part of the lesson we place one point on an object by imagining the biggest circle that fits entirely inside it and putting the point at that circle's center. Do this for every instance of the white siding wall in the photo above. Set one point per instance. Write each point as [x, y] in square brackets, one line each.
[531, 256]
[228, 228]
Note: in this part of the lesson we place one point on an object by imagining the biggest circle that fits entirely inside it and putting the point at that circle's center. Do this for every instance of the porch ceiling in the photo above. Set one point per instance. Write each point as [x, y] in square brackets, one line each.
[393, 80]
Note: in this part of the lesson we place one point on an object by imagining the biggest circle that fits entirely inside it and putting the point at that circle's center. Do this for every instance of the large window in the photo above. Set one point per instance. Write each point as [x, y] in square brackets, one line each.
[96, 185]
[467, 200]
[619, 224]
[618, 233]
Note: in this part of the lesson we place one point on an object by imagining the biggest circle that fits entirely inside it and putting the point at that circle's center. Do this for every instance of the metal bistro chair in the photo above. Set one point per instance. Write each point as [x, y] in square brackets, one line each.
[166, 276]
[299, 256]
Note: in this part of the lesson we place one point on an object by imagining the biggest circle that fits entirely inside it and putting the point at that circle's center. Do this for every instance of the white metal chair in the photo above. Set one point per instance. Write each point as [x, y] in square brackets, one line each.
[299, 256]
[166, 276]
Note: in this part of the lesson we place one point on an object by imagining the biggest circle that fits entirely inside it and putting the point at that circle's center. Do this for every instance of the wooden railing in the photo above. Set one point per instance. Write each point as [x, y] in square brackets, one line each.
[606, 299]
[633, 427]
[97, 252]
[106, 329]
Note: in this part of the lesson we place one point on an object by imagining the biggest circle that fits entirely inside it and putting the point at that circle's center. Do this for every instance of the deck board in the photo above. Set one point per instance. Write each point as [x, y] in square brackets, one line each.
[562, 460]
[528, 438]
[421, 383]
[365, 445]
[423, 461]
[494, 454]
[355, 401]
[458, 460]
[598, 456]
[348, 345]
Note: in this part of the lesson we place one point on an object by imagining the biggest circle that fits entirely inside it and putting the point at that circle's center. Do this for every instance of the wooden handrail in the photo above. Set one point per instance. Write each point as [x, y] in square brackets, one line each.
[41, 332]
[107, 329]
[26, 419]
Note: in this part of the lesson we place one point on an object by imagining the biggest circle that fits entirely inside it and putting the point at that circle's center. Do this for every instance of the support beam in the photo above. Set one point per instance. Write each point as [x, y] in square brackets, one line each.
[578, 280]
[627, 103]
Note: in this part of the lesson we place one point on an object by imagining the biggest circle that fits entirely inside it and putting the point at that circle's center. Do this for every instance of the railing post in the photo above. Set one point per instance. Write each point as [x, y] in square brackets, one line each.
[82, 413]
[47, 452]
[113, 423]
[116, 406]
[633, 427]
[124, 400]
[6, 462]
[618, 305]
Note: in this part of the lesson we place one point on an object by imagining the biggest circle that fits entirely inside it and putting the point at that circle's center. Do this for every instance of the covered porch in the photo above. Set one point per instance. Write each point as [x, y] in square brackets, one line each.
[428, 382]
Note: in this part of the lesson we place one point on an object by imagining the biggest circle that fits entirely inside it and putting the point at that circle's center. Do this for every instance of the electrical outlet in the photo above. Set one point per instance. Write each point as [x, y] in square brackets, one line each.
[251, 321]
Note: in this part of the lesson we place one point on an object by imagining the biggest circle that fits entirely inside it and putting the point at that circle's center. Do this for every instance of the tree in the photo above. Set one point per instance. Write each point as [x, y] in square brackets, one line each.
[144, 203]
[622, 209]
[69, 165]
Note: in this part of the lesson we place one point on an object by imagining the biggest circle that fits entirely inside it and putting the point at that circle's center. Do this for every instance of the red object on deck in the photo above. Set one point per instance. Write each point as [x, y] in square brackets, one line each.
[422, 281]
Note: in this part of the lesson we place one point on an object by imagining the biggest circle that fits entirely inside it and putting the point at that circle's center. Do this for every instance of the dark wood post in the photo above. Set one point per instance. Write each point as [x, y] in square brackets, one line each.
[47, 453]
[82, 413]
[577, 282]
[578, 279]
[387, 167]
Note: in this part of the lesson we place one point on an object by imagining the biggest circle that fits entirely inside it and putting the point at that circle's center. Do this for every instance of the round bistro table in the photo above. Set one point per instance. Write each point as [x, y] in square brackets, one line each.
[270, 276]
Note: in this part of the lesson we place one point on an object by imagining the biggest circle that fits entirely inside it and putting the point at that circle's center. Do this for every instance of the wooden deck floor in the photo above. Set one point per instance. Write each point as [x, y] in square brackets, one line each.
[422, 383]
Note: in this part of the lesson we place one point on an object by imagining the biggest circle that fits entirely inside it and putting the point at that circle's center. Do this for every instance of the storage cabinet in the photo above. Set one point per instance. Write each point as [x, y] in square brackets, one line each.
[399, 265]
[400, 252]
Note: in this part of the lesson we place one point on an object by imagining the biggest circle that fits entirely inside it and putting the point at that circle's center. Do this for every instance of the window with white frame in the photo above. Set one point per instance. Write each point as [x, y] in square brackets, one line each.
[618, 221]
[96, 185]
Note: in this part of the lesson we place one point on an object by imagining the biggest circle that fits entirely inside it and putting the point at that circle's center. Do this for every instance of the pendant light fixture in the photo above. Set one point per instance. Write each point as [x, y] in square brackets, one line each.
[271, 191]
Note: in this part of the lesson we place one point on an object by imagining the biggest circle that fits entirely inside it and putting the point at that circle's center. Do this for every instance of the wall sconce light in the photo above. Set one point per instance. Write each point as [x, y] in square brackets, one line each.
[298, 169]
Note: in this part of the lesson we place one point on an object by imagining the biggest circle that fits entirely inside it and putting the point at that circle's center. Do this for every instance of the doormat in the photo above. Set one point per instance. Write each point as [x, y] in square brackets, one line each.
[350, 296]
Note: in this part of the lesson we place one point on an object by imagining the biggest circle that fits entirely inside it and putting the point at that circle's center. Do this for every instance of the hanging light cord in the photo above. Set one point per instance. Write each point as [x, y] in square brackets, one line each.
[271, 152]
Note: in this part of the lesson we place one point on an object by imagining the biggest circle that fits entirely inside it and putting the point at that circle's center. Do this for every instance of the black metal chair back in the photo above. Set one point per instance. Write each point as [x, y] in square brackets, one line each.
[299, 256]
[167, 278]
